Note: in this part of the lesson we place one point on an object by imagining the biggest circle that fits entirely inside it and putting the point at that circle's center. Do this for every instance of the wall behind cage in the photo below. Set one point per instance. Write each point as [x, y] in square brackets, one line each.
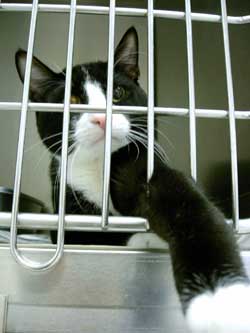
[213, 142]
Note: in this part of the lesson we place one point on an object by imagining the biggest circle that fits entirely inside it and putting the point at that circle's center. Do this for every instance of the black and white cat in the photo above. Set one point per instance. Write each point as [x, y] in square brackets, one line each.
[210, 279]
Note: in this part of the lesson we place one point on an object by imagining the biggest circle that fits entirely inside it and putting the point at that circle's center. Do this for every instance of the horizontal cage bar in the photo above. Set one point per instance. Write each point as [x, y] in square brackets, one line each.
[122, 11]
[90, 223]
[76, 222]
[52, 107]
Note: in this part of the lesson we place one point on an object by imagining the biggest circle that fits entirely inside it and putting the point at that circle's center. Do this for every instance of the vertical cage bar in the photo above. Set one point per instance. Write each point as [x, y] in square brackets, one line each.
[150, 162]
[232, 124]
[108, 128]
[22, 128]
[191, 90]
[25, 262]
[65, 136]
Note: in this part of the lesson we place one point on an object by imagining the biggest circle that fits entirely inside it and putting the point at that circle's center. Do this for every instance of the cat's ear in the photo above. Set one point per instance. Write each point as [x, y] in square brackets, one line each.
[40, 73]
[126, 54]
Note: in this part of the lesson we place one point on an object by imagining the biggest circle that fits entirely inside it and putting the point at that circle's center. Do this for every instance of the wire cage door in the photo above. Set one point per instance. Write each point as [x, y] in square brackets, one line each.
[21, 289]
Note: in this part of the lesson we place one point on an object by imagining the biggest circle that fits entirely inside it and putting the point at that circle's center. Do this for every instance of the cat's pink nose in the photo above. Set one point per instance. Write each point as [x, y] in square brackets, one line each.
[99, 120]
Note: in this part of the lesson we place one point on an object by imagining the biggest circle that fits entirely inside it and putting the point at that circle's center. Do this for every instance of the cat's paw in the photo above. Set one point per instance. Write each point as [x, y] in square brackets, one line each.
[227, 310]
[147, 240]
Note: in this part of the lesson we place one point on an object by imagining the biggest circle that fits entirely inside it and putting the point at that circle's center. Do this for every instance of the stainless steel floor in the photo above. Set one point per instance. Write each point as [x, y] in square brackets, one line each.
[101, 290]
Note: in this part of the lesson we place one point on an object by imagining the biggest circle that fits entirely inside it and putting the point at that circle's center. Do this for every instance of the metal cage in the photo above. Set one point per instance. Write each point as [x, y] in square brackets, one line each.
[20, 289]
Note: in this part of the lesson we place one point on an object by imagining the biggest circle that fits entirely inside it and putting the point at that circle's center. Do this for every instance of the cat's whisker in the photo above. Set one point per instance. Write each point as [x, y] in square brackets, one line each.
[40, 142]
[144, 143]
[73, 191]
[136, 145]
[160, 152]
[144, 119]
[55, 153]
[164, 136]
[71, 147]
[115, 181]
[48, 152]
[56, 183]
[58, 68]
[55, 189]
[157, 148]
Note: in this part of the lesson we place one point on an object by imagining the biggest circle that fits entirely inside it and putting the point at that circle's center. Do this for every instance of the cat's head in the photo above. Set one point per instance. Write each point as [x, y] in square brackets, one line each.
[89, 86]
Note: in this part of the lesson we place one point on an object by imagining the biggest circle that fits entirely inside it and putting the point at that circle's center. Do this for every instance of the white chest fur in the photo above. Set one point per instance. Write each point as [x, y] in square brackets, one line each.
[86, 175]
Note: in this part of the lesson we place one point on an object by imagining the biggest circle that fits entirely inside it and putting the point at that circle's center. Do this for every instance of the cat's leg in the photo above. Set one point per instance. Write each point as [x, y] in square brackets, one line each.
[210, 279]
[213, 287]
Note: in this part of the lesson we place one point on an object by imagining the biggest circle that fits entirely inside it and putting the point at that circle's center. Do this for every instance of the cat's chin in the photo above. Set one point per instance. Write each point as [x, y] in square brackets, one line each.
[95, 149]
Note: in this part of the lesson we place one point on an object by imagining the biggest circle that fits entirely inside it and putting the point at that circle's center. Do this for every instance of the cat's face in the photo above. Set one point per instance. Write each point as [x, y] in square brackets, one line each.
[89, 86]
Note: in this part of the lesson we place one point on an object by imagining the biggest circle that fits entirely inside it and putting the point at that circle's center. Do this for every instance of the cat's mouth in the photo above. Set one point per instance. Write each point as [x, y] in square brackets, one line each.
[114, 138]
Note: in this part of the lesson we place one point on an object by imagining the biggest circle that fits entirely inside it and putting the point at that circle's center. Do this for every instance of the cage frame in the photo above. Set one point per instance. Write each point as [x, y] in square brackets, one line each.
[105, 222]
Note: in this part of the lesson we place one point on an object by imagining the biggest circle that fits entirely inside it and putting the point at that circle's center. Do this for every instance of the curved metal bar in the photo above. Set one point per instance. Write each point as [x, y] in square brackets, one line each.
[22, 260]
[21, 139]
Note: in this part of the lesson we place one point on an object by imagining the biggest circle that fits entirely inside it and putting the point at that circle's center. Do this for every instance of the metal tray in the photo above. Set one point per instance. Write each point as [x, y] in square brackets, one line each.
[113, 290]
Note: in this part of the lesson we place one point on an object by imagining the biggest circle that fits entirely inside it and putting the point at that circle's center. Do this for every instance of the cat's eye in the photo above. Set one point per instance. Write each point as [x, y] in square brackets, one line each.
[75, 100]
[119, 94]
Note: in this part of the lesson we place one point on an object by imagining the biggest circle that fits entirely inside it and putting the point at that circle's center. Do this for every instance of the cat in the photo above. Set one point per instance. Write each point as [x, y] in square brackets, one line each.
[210, 279]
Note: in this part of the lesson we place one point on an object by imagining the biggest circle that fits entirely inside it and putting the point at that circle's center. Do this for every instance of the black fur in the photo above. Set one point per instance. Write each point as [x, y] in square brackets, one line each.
[202, 246]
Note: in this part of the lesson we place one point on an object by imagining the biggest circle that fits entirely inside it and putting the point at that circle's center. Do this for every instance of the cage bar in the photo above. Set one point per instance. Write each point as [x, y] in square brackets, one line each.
[75, 222]
[21, 139]
[54, 107]
[124, 11]
[191, 91]
[232, 125]
[91, 223]
[108, 128]
[65, 137]
[150, 161]
[27, 263]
